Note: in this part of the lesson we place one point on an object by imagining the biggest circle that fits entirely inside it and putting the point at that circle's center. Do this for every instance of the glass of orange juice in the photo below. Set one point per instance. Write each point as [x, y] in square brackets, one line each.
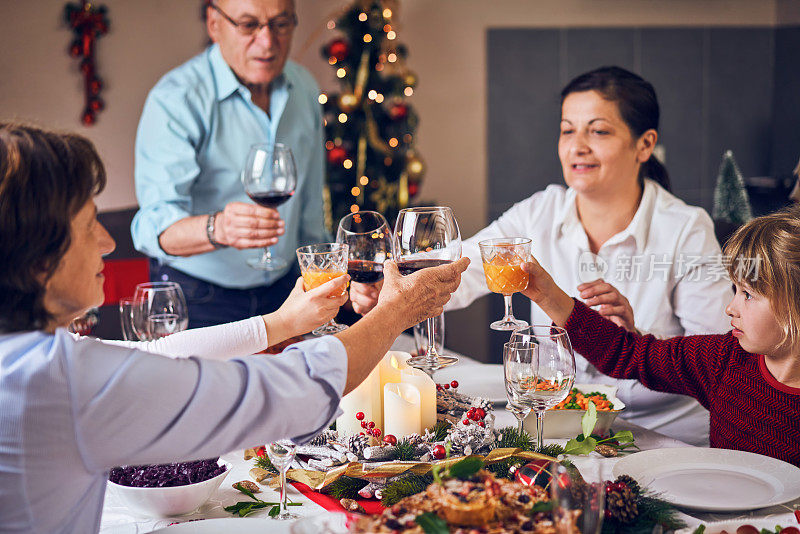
[502, 265]
[318, 264]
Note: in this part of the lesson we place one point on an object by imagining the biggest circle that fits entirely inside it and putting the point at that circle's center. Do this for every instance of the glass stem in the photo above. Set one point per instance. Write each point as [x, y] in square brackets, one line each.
[519, 424]
[283, 508]
[432, 338]
[267, 256]
[509, 314]
[539, 430]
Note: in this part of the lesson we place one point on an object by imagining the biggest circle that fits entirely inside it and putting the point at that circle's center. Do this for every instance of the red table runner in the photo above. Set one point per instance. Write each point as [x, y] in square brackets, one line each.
[371, 506]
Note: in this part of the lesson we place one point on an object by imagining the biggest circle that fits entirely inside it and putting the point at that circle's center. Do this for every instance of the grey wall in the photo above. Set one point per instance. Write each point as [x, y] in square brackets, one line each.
[719, 88]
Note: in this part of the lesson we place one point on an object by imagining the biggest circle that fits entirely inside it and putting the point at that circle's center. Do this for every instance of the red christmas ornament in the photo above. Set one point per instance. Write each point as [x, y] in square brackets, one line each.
[398, 112]
[446, 386]
[88, 118]
[454, 383]
[480, 412]
[97, 104]
[95, 86]
[413, 189]
[439, 452]
[390, 439]
[338, 48]
[88, 22]
[534, 472]
[337, 155]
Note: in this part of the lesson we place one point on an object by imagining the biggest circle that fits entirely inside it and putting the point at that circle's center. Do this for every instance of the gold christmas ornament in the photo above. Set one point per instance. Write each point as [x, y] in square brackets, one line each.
[410, 79]
[348, 102]
[415, 166]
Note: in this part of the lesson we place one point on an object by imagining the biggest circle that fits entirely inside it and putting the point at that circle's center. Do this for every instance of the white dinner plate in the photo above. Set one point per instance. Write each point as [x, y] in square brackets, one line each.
[327, 523]
[730, 526]
[717, 480]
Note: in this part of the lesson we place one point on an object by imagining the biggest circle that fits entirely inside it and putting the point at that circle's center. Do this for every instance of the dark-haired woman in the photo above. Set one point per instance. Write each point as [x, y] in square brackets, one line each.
[616, 238]
[71, 409]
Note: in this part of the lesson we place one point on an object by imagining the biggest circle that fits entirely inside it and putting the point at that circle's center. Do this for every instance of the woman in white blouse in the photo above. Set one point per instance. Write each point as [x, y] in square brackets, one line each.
[616, 238]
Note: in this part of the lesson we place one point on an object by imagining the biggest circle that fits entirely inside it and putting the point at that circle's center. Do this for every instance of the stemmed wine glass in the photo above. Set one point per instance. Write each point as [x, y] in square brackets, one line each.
[159, 309]
[369, 240]
[502, 265]
[269, 178]
[540, 369]
[321, 263]
[281, 453]
[427, 237]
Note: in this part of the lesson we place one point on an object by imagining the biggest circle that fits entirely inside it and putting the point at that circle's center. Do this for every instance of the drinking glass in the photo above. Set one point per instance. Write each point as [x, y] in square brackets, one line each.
[269, 179]
[517, 410]
[427, 237]
[369, 241]
[502, 265]
[578, 504]
[318, 264]
[159, 309]
[281, 454]
[421, 335]
[541, 368]
[126, 319]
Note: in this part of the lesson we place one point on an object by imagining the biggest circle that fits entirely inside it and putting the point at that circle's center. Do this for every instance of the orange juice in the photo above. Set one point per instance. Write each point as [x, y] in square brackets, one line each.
[315, 278]
[504, 275]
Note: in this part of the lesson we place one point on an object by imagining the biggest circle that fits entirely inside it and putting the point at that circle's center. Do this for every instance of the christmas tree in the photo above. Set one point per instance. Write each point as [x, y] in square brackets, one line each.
[369, 125]
[731, 203]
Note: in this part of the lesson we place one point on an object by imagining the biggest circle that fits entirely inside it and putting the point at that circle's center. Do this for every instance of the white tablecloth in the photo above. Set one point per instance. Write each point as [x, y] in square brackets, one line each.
[475, 378]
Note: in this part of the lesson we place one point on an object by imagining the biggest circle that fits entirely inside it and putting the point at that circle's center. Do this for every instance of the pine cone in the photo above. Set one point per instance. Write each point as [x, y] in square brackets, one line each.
[356, 443]
[621, 504]
[631, 483]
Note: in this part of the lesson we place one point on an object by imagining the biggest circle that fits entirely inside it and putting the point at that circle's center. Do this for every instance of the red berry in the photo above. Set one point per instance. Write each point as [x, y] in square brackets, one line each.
[371, 424]
[376, 432]
[439, 452]
[480, 412]
[390, 439]
[439, 387]
[362, 433]
[470, 412]
[465, 421]
[446, 386]
[363, 424]
[261, 451]
[481, 424]
[454, 383]
[360, 416]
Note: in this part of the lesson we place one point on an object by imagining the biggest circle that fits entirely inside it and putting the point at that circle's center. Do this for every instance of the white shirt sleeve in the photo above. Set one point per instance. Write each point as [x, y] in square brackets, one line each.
[133, 407]
[220, 342]
[704, 291]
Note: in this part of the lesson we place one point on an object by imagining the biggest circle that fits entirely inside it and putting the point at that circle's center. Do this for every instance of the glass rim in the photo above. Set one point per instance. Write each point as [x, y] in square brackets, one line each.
[560, 331]
[424, 209]
[157, 284]
[385, 222]
[510, 241]
[270, 146]
[334, 247]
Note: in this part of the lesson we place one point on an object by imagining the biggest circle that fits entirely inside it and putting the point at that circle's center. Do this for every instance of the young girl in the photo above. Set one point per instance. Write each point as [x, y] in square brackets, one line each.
[749, 378]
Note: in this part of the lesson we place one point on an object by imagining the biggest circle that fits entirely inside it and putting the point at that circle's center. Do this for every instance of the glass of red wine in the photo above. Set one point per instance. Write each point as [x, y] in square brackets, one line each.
[427, 237]
[370, 240]
[269, 179]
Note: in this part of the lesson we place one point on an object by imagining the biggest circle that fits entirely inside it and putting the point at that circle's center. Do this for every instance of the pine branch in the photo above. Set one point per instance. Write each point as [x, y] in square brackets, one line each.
[652, 510]
[439, 431]
[511, 437]
[264, 463]
[405, 487]
[345, 487]
[404, 450]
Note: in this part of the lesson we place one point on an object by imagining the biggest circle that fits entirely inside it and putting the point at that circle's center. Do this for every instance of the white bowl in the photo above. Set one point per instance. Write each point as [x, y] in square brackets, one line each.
[169, 501]
[567, 423]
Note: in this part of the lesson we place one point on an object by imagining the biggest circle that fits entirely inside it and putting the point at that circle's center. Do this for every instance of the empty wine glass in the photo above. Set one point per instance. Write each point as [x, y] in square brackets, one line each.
[159, 309]
[318, 264]
[126, 319]
[427, 237]
[517, 410]
[502, 265]
[269, 178]
[369, 241]
[578, 502]
[281, 454]
[549, 351]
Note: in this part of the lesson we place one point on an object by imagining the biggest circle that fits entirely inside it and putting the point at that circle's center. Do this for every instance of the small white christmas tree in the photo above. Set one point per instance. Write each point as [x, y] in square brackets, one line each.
[731, 203]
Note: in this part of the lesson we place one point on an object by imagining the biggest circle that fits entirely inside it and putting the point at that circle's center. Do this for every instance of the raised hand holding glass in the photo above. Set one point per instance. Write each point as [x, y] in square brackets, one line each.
[502, 265]
[321, 263]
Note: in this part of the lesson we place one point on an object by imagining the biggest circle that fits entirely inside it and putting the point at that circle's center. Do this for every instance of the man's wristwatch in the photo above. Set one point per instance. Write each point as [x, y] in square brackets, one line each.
[212, 217]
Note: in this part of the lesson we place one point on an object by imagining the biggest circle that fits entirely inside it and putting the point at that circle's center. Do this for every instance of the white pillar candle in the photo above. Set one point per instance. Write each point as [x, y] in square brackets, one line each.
[365, 398]
[427, 390]
[390, 366]
[401, 410]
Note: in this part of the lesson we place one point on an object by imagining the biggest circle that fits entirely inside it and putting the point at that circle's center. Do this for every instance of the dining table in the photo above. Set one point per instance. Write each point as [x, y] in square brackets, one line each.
[475, 379]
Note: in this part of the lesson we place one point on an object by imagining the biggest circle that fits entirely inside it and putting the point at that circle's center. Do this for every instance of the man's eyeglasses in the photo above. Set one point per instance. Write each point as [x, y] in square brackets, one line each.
[282, 25]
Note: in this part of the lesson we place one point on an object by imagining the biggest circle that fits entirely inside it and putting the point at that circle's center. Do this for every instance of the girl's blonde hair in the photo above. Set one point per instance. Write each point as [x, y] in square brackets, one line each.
[764, 255]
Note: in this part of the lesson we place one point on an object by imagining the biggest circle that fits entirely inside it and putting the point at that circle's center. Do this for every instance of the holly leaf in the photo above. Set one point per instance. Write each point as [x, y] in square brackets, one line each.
[585, 446]
[463, 469]
[589, 419]
[246, 492]
[275, 510]
[432, 523]
[542, 506]
[435, 472]
[626, 436]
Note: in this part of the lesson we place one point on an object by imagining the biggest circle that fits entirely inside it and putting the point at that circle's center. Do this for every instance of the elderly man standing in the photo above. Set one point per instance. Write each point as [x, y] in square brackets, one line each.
[199, 121]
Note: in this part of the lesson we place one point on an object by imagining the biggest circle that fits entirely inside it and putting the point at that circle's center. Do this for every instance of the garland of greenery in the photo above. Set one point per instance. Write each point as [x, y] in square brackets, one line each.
[652, 511]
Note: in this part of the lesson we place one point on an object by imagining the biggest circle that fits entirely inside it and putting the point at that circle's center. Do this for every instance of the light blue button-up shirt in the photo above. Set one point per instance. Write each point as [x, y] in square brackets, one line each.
[196, 129]
[70, 410]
